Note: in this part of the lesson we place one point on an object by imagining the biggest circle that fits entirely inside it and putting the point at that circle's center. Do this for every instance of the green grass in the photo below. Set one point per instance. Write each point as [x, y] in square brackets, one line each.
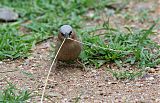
[13, 95]
[42, 19]
[123, 75]
[133, 47]
[12, 45]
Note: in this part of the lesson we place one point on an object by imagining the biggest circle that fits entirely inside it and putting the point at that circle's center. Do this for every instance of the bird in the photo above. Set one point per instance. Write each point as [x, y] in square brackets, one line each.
[71, 49]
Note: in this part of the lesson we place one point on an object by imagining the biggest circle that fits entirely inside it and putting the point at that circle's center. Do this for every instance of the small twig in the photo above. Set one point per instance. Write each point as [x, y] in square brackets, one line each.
[50, 71]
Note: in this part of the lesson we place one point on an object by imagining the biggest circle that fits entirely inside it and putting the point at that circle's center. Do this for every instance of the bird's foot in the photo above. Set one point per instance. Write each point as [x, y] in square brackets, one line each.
[81, 65]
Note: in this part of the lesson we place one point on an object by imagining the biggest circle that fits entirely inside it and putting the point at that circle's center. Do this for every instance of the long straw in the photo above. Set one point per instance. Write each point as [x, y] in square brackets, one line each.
[50, 70]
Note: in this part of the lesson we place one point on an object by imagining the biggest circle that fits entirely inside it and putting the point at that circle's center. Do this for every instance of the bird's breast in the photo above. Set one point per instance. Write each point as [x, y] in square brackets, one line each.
[69, 51]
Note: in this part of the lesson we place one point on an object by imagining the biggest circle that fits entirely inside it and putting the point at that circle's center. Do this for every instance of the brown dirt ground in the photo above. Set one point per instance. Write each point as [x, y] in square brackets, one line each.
[68, 84]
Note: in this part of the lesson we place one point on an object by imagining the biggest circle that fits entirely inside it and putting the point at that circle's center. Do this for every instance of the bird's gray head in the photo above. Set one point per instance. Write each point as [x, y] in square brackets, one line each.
[66, 30]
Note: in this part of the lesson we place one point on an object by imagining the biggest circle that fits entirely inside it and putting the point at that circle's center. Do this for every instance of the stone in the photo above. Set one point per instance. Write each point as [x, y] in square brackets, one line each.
[151, 70]
[8, 15]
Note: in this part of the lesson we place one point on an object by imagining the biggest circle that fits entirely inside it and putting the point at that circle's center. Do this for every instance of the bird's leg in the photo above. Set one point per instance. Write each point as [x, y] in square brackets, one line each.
[54, 66]
[81, 65]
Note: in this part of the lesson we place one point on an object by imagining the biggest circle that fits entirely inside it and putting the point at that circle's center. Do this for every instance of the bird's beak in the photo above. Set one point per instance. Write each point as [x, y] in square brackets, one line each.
[66, 35]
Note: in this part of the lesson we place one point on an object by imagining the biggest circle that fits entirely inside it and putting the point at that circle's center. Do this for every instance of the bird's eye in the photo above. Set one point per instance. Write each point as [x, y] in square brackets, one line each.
[62, 34]
[70, 33]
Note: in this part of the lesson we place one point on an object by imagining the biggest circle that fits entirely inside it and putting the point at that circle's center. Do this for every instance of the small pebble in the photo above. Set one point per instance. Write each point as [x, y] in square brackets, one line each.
[94, 71]
[139, 85]
[90, 14]
[151, 70]
[150, 78]
[157, 100]
[112, 82]
[101, 84]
